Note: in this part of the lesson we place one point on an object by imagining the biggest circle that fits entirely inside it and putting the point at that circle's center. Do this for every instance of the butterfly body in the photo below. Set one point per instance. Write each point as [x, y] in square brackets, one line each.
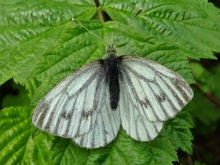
[111, 66]
[92, 103]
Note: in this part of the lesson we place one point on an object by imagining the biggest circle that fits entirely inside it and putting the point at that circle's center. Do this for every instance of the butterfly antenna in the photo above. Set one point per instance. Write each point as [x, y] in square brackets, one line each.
[80, 24]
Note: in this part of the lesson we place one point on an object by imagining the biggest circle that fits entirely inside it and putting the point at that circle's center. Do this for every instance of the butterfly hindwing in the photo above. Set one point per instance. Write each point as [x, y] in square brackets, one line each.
[134, 120]
[159, 93]
[106, 126]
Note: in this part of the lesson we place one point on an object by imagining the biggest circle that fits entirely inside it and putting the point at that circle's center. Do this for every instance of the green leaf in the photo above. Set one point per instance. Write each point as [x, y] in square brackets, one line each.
[17, 98]
[206, 96]
[133, 43]
[199, 163]
[178, 131]
[16, 143]
[213, 83]
[65, 152]
[193, 27]
[40, 45]
[46, 29]
[206, 111]
[122, 151]
[61, 60]
[30, 28]
[201, 75]
[75, 49]
[127, 151]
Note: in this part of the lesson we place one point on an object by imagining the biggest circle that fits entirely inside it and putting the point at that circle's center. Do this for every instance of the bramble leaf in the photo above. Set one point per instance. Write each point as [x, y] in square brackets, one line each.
[40, 45]
[178, 131]
[193, 27]
[16, 143]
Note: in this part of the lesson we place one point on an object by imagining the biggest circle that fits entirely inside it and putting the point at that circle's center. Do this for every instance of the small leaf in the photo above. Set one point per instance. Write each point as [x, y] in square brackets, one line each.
[178, 131]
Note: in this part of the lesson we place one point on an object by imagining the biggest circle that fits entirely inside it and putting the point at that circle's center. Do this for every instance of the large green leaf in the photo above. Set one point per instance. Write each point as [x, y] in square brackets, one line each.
[29, 29]
[192, 26]
[16, 143]
[36, 29]
[78, 47]
[40, 45]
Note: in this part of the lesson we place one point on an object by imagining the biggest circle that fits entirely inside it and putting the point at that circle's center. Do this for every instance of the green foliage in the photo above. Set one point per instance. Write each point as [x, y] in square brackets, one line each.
[40, 45]
[198, 163]
[123, 151]
[16, 143]
[178, 131]
[206, 96]
[20, 97]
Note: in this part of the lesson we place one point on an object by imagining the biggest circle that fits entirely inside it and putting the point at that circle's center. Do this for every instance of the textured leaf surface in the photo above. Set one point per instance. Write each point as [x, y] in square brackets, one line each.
[173, 22]
[16, 143]
[40, 30]
[123, 151]
[40, 45]
[29, 29]
[178, 131]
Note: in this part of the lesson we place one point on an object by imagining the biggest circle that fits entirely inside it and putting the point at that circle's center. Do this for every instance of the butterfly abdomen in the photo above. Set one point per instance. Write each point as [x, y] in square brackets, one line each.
[112, 77]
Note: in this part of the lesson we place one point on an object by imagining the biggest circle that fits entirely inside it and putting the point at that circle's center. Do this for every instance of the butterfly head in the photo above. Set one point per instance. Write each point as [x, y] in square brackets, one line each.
[111, 50]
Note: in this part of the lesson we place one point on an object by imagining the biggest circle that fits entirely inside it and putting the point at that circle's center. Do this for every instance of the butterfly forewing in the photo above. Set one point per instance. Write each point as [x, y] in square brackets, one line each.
[159, 93]
[70, 108]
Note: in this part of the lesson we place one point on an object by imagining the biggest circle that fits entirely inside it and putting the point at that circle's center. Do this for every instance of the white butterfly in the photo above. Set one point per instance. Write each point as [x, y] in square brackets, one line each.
[90, 105]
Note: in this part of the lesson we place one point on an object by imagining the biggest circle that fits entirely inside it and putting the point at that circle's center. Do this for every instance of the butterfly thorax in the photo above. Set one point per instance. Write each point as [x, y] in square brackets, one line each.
[110, 64]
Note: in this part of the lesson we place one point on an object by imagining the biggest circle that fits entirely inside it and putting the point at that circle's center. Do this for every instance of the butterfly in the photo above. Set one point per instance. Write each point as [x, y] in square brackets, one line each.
[91, 104]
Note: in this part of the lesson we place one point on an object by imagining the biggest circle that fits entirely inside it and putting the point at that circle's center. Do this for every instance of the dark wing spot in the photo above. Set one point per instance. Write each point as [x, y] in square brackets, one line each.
[66, 115]
[145, 103]
[161, 97]
[86, 114]
[105, 132]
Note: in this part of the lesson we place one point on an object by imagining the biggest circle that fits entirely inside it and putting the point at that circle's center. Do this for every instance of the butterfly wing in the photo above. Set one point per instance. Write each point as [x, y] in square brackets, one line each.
[159, 93]
[106, 126]
[70, 108]
[135, 123]
[79, 108]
